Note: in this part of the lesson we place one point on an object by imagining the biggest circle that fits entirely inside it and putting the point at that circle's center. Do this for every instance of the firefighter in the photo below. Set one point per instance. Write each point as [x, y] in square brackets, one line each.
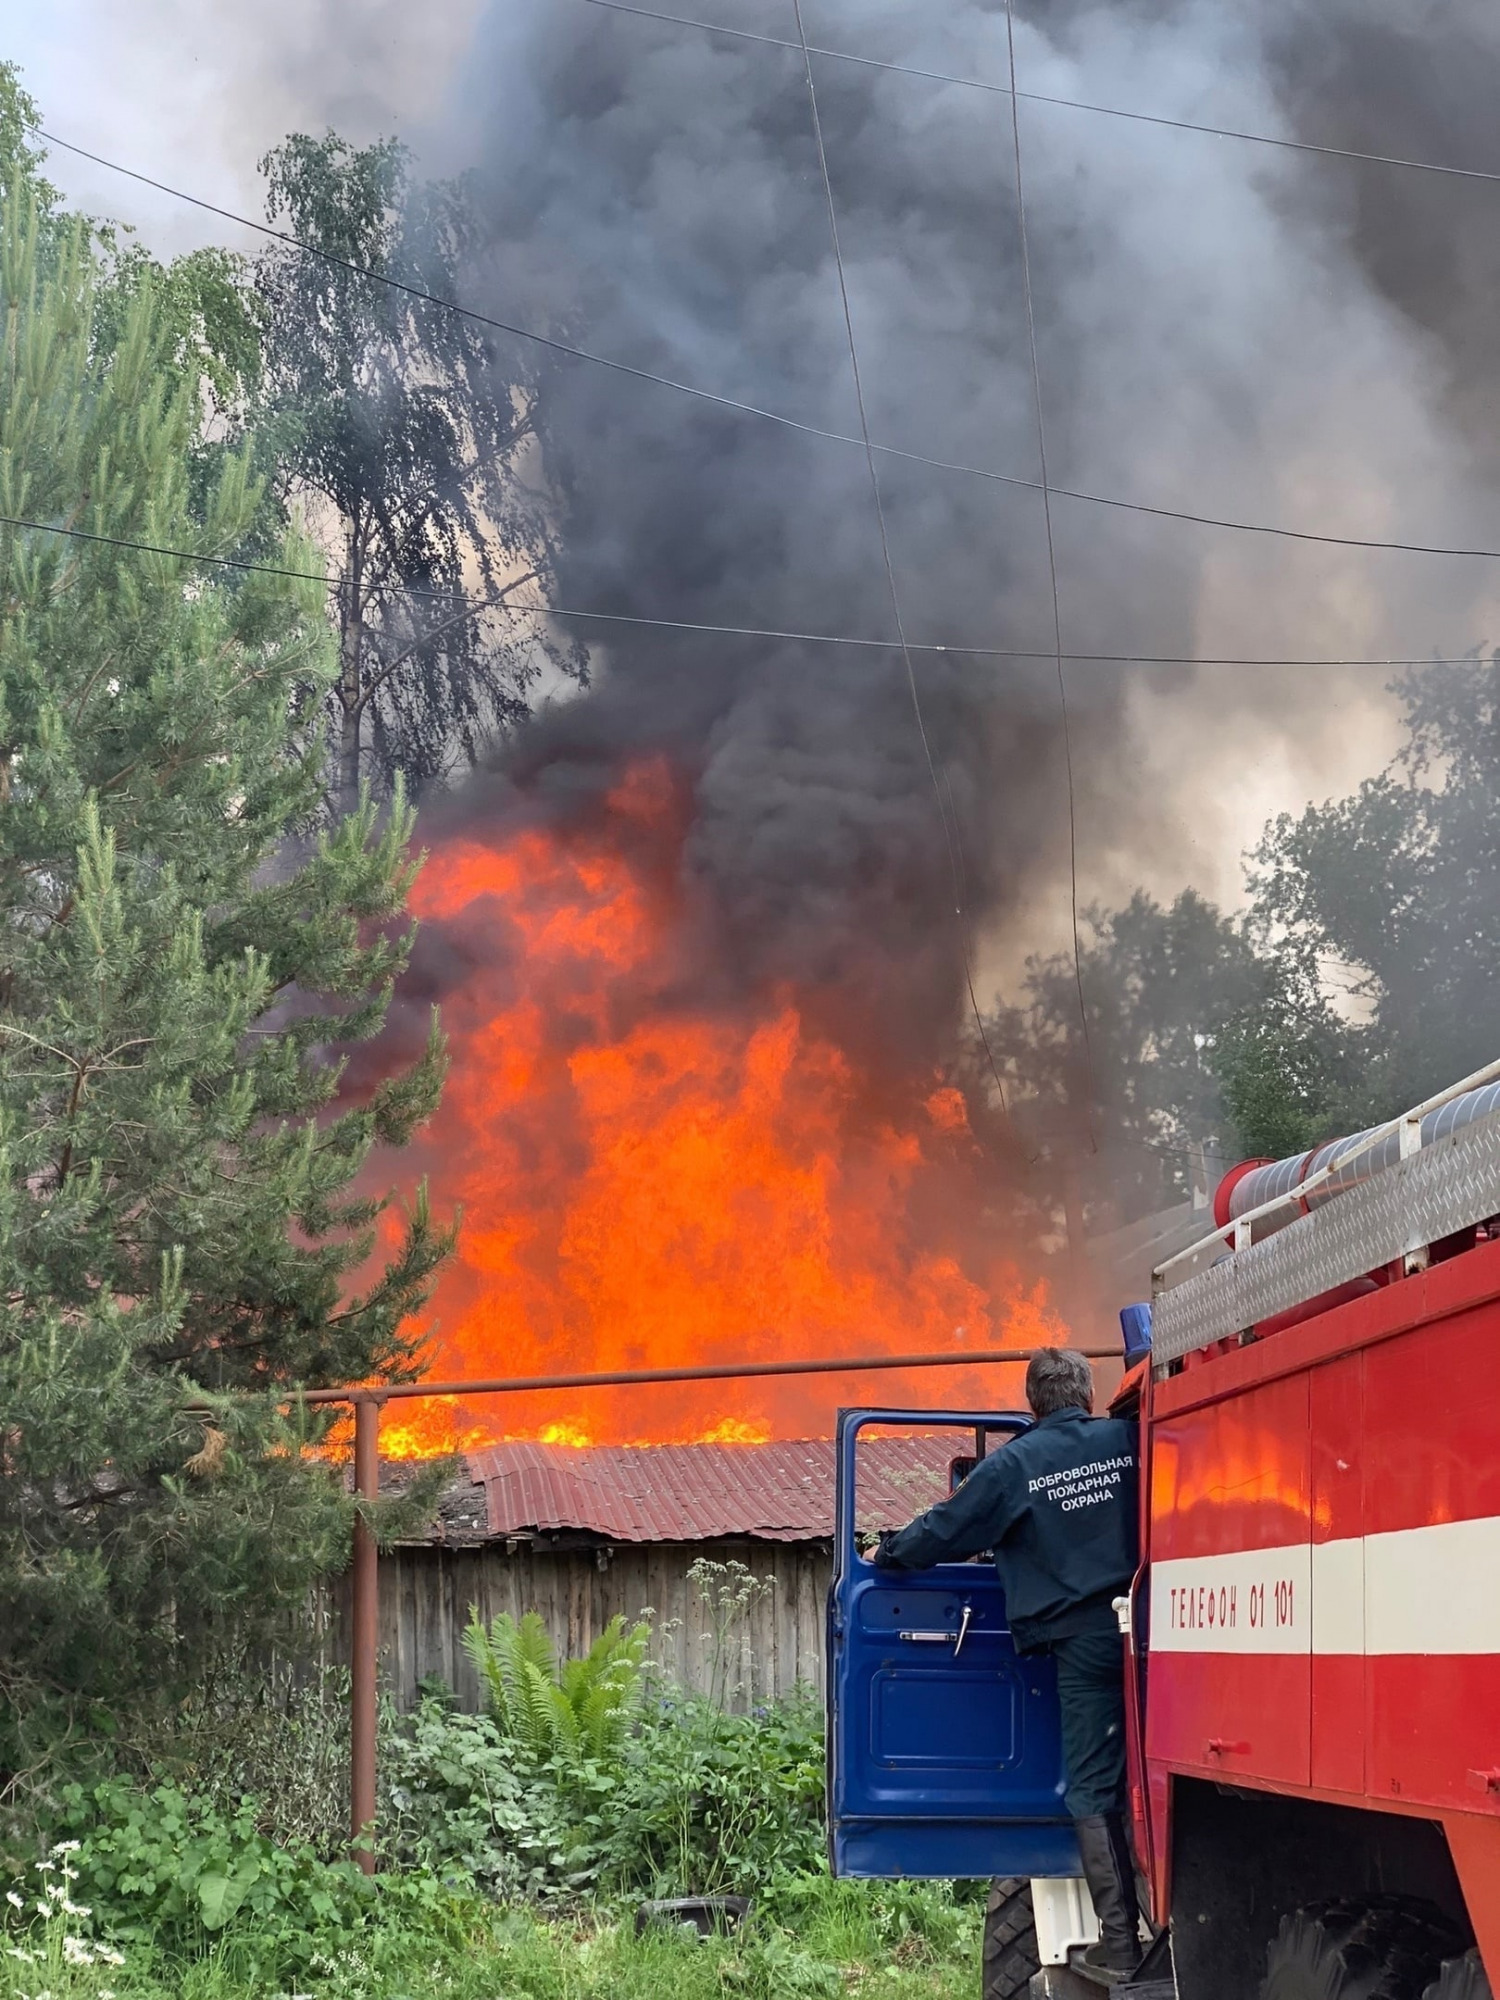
[1058, 1507]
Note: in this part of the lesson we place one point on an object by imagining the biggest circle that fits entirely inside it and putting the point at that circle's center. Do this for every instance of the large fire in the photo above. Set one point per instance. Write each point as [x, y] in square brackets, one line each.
[648, 1182]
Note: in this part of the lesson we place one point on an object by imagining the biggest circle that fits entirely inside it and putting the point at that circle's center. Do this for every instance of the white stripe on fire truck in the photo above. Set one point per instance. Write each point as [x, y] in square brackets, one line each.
[1439, 1587]
[1246, 1601]
[1338, 1596]
[1417, 1590]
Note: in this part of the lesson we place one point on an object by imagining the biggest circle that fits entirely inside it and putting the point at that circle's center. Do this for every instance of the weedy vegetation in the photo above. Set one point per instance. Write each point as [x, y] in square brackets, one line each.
[516, 1846]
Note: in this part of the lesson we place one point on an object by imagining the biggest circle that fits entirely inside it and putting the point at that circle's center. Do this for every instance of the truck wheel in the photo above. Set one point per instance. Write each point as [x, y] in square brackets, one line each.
[1010, 1954]
[1388, 1948]
[1460, 1979]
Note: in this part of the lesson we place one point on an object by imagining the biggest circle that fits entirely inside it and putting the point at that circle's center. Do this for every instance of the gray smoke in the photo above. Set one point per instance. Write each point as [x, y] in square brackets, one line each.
[1217, 333]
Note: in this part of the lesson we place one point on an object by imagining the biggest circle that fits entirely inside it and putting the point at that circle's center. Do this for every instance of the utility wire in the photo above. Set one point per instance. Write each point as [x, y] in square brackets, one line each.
[1062, 681]
[1065, 103]
[950, 831]
[796, 424]
[479, 604]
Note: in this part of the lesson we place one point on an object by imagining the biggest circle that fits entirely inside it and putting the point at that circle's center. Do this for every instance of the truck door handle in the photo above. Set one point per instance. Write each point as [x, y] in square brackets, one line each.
[1217, 1747]
[1484, 1781]
[942, 1638]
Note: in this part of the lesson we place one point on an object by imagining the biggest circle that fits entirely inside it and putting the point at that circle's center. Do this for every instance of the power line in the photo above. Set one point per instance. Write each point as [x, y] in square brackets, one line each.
[1062, 682]
[1064, 103]
[950, 832]
[729, 631]
[795, 424]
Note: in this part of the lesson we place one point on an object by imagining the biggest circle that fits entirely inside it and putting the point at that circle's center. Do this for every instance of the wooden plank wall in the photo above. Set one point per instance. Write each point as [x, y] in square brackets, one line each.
[777, 1644]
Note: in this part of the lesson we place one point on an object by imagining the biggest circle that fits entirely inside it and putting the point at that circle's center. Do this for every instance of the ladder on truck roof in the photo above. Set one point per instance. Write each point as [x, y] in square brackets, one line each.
[1386, 1195]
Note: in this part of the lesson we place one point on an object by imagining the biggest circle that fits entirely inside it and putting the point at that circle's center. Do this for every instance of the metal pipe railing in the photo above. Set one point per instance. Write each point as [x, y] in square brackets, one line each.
[729, 1371]
[364, 1639]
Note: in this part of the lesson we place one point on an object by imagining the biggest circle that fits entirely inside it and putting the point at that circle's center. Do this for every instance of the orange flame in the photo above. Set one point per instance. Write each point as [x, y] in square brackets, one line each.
[648, 1183]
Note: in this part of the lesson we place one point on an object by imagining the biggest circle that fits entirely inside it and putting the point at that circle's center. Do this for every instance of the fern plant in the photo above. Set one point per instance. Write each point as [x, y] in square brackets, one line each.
[581, 1708]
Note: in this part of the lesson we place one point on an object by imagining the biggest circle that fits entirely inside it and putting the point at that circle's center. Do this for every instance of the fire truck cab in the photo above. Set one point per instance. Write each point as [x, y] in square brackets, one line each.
[1312, 1640]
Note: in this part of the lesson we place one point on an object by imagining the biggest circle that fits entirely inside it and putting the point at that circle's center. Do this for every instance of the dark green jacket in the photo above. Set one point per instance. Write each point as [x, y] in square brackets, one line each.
[1059, 1507]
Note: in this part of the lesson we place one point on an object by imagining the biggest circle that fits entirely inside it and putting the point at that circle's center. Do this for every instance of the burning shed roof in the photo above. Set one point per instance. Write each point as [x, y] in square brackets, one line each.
[705, 1492]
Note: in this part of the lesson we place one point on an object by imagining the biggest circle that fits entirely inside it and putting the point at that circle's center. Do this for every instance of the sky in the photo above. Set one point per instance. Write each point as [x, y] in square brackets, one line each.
[1186, 770]
[194, 92]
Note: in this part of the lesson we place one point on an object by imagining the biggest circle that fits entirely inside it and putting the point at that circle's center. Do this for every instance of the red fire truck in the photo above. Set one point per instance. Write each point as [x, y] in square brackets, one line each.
[1313, 1640]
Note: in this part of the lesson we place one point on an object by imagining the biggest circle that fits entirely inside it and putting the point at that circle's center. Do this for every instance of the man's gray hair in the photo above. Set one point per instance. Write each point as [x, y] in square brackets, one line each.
[1059, 1379]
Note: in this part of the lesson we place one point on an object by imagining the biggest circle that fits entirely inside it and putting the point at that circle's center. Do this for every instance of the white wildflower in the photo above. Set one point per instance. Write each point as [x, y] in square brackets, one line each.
[107, 1955]
[71, 1909]
[16, 1901]
[76, 1951]
[19, 1951]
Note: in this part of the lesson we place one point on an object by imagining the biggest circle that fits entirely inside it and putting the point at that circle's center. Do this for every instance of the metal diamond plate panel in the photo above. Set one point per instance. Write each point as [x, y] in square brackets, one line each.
[1447, 1186]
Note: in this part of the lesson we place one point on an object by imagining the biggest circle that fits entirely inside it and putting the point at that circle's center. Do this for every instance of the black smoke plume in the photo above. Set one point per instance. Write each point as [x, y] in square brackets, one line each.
[1217, 332]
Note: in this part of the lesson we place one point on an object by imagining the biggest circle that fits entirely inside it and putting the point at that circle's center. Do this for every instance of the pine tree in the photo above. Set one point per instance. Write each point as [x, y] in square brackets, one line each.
[183, 1216]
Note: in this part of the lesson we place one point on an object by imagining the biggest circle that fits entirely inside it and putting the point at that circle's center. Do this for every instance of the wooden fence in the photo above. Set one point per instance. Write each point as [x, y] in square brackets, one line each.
[774, 1645]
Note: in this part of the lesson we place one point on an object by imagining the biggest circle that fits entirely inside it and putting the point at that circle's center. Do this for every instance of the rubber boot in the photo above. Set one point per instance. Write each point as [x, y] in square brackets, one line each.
[1107, 1870]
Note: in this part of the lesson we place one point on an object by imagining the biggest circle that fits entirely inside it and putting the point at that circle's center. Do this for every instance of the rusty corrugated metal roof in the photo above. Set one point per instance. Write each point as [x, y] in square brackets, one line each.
[703, 1492]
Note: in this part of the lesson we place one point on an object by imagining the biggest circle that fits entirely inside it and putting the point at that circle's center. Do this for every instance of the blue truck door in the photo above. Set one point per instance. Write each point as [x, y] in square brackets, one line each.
[944, 1749]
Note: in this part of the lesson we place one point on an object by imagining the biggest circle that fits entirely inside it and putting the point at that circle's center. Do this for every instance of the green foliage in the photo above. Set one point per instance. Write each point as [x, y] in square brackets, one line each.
[179, 1219]
[702, 1802]
[459, 1803]
[1398, 888]
[579, 1709]
[585, 1774]
[51, 1945]
[20, 160]
[877, 1943]
[179, 1876]
[406, 423]
[202, 1901]
[207, 312]
[1212, 1032]
[208, 320]
[165, 1867]
[694, 1802]
[1180, 999]
[707, 1801]
[1289, 1078]
[258, 1727]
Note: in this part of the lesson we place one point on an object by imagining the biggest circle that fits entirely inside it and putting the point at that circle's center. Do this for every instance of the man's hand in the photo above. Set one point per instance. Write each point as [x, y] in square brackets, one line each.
[881, 1555]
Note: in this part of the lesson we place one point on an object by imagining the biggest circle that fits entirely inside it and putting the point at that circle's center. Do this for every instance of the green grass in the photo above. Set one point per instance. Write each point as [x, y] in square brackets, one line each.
[819, 1938]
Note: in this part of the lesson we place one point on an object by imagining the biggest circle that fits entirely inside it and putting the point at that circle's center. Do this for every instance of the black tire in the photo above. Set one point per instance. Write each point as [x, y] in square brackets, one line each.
[1460, 1979]
[1386, 1948]
[1010, 1954]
